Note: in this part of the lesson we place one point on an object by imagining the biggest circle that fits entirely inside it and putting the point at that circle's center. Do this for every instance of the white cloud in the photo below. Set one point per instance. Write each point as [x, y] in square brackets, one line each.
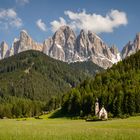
[9, 19]
[41, 25]
[93, 22]
[22, 2]
[57, 24]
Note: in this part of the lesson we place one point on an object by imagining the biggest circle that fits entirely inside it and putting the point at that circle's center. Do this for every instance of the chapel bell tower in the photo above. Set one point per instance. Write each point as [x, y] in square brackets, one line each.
[96, 107]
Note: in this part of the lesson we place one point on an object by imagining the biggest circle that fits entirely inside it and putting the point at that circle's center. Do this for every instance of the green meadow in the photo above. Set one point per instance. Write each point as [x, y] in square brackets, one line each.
[67, 129]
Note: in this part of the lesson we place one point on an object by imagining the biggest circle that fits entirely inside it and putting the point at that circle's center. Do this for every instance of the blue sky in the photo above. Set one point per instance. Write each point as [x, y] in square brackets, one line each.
[116, 22]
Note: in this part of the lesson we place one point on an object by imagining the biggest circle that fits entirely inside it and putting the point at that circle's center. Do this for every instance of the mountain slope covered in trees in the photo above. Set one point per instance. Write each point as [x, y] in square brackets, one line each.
[118, 89]
[32, 77]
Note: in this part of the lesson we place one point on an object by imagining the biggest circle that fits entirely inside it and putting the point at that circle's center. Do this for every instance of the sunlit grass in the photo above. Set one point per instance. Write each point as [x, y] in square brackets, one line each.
[66, 129]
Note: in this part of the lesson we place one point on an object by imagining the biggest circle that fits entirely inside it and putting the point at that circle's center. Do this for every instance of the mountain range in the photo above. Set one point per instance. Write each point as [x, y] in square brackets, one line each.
[66, 46]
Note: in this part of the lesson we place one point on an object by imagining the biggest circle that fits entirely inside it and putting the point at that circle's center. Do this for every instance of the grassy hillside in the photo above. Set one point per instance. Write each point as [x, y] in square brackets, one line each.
[118, 89]
[66, 129]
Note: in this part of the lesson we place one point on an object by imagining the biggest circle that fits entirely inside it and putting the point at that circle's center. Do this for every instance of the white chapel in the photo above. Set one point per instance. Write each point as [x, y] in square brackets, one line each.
[100, 113]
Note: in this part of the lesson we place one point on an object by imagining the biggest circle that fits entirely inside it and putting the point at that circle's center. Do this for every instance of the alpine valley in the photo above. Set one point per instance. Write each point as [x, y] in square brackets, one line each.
[31, 82]
[40, 75]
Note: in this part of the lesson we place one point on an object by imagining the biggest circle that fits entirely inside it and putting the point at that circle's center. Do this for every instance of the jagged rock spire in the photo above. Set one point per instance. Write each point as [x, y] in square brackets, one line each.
[131, 47]
[3, 50]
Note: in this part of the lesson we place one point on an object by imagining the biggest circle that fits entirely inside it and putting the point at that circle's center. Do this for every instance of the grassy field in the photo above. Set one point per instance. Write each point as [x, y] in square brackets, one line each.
[66, 129]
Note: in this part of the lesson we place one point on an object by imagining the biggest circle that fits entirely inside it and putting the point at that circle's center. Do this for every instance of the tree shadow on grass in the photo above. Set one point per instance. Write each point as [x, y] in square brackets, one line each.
[59, 114]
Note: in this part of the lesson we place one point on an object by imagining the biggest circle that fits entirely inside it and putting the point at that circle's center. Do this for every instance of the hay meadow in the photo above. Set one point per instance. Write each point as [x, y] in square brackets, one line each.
[67, 129]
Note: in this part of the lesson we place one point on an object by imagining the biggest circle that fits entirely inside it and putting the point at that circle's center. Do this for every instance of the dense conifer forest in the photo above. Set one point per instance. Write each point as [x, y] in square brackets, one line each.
[118, 90]
[31, 82]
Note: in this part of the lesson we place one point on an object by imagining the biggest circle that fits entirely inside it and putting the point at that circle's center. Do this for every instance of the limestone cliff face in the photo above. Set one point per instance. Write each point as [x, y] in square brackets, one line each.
[98, 45]
[15, 47]
[3, 50]
[24, 43]
[137, 42]
[131, 47]
[68, 47]
[83, 46]
[47, 44]
[27, 43]
[61, 45]
[116, 55]
[91, 47]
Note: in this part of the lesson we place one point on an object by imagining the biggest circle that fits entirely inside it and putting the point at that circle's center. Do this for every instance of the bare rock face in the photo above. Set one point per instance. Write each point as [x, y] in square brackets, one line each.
[61, 45]
[47, 44]
[101, 61]
[24, 43]
[83, 46]
[98, 46]
[131, 47]
[114, 50]
[91, 47]
[137, 42]
[101, 51]
[15, 47]
[65, 46]
[3, 50]
[128, 50]
[57, 52]
[116, 55]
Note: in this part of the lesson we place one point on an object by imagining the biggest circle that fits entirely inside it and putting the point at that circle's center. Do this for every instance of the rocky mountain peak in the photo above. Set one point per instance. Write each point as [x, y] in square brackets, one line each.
[66, 30]
[83, 34]
[137, 42]
[98, 46]
[24, 35]
[3, 50]
[83, 47]
[24, 43]
[47, 44]
[3, 44]
[138, 35]
[93, 37]
[68, 47]
[23, 32]
[64, 27]
[131, 47]
[116, 55]
[64, 34]
[128, 49]
[62, 44]
[114, 49]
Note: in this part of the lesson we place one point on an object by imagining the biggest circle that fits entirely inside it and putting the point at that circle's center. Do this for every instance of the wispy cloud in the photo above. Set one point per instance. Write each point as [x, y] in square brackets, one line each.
[41, 25]
[57, 24]
[22, 2]
[9, 19]
[93, 22]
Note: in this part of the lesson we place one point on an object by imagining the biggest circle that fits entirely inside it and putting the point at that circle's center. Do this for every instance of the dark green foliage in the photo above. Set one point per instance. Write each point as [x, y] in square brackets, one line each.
[118, 89]
[87, 67]
[34, 76]
[13, 107]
